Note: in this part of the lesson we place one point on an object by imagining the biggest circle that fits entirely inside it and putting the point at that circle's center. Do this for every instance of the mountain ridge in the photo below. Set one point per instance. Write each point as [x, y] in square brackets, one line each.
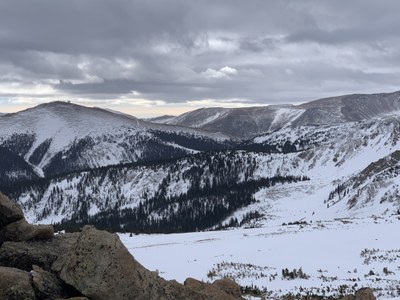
[245, 123]
[307, 163]
[60, 135]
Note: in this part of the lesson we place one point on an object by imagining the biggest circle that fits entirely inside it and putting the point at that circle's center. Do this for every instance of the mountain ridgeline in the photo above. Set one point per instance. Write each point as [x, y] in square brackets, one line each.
[59, 138]
[71, 165]
[192, 193]
[246, 123]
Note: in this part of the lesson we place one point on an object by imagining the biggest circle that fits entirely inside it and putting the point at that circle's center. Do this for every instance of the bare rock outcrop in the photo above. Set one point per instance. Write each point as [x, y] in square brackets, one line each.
[229, 290]
[43, 253]
[100, 267]
[361, 294]
[9, 211]
[23, 231]
[13, 226]
[364, 294]
[15, 285]
[46, 285]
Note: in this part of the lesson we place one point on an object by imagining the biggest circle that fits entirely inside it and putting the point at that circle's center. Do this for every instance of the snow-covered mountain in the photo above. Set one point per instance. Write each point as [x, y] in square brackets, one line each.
[318, 159]
[161, 119]
[242, 123]
[61, 137]
[284, 176]
[248, 122]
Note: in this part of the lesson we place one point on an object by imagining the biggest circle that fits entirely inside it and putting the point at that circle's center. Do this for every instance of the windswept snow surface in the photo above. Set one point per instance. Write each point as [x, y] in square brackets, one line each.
[341, 255]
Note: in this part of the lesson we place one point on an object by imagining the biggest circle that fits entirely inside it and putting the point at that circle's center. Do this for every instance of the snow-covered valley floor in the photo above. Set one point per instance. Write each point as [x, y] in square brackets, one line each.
[341, 255]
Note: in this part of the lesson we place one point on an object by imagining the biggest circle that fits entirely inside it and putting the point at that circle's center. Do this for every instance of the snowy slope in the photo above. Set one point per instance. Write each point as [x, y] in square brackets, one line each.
[376, 188]
[327, 155]
[161, 119]
[338, 257]
[59, 134]
[242, 123]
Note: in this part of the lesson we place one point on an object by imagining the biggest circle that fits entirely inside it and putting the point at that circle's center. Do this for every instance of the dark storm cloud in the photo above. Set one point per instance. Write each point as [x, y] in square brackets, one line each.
[177, 50]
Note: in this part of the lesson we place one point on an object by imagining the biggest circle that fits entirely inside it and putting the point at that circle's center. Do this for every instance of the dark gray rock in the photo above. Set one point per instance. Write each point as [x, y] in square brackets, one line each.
[23, 231]
[23, 255]
[15, 285]
[9, 211]
[46, 285]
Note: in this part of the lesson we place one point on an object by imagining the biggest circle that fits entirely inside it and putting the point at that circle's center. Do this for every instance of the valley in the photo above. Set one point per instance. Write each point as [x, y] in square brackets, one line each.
[336, 257]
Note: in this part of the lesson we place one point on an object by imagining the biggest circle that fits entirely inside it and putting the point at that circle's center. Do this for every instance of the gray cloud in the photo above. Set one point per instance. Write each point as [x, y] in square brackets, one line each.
[175, 50]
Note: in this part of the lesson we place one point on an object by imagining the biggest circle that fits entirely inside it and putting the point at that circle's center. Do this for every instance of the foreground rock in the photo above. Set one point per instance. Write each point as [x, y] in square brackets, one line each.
[13, 226]
[9, 211]
[100, 267]
[15, 284]
[22, 231]
[43, 253]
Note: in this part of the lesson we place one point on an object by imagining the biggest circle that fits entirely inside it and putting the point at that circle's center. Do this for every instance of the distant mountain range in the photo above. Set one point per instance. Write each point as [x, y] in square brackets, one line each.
[72, 164]
[61, 137]
[245, 123]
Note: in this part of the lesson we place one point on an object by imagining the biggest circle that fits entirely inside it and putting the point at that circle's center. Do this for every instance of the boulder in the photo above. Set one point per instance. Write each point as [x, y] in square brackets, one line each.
[100, 267]
[43, 253]
[15, 285]
[228, 286]
[46, 284]
[23, 231]
[201, 290]
[9, 211]
[361, 294]
[364, 294]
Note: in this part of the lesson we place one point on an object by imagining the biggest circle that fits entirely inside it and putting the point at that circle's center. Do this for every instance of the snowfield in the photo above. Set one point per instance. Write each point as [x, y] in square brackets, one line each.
[337, 256]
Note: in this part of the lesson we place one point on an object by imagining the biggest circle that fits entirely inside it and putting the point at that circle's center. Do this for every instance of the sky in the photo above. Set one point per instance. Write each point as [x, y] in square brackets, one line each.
[158, 57]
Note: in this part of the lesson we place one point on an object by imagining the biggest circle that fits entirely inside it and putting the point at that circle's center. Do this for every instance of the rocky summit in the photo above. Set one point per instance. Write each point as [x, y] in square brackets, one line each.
[90, 264]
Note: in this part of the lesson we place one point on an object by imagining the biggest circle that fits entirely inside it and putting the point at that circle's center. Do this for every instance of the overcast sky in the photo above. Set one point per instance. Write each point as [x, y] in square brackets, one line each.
[167, 56]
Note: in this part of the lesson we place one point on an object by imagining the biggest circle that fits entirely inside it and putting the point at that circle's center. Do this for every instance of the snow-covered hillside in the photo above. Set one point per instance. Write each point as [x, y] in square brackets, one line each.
[336, 257]
[329, 156]
[245, 123]
[60, 137]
